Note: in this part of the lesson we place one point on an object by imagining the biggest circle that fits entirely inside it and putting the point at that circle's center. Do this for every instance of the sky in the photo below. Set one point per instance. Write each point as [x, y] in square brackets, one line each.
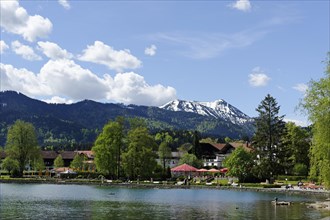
[153, 52]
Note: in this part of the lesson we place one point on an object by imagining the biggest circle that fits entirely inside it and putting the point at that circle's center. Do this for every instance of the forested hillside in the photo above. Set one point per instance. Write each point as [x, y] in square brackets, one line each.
[77, 125]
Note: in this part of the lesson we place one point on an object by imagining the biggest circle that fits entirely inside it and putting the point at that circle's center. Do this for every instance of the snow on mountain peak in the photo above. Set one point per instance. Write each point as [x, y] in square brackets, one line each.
[217, 109]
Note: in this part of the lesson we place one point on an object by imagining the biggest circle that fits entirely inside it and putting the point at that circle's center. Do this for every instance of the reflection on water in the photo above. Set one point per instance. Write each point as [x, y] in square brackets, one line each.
[40, 201]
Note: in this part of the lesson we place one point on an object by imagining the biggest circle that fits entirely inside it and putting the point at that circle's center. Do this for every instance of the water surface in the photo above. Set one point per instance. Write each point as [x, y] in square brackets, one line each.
[41, 201]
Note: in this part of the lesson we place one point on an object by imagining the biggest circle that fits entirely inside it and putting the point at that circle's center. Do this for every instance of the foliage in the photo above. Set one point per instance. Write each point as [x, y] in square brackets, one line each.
[78, 162]
[191, 160]
[139, 160]
[239, 164]
[69, 127]
[270, 151]
[317, 104]
[165, 154]
[38, 163]
[196, 149]
[300, 169]
[107, 149]
[298, 143]
[22, 144]
[10, 164]
[59, 162]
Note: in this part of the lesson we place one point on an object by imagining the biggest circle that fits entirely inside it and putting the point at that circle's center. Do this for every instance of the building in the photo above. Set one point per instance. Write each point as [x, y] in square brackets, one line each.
[213, 154]
[173, 161]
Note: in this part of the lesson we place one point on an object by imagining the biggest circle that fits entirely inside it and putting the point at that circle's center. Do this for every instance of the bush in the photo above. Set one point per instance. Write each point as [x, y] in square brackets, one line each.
[300, 169]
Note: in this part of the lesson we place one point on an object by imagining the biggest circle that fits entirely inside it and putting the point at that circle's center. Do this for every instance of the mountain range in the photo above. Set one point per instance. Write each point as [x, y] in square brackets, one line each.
[79, 123]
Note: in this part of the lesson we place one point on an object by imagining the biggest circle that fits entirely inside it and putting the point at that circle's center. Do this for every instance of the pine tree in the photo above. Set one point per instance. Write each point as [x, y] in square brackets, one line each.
[271, 153]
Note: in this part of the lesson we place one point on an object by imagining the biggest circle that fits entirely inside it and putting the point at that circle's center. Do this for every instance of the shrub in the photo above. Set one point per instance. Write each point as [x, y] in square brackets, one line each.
[300, 169]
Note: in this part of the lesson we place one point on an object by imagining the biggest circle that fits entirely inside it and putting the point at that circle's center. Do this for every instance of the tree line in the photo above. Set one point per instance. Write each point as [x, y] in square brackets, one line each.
[125, 147]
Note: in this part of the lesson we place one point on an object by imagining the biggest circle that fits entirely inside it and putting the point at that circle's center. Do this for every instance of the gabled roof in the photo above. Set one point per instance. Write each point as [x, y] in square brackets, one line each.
[49, 154]
[88, 153]
[67, 155]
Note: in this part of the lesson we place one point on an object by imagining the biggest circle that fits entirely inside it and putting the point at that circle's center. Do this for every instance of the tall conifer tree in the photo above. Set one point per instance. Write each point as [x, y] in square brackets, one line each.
[270, 128]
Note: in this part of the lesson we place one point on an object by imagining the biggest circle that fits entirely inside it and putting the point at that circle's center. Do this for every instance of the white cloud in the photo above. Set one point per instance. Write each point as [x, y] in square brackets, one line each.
[103, 54]
[151, 51]
[25, 51]
[57, 99]
[22, 80]
[15, 19]
[132, 88]
[3, 46]
[258, 78]
[197, 45]
[65, 4]
[242, 5]
[297, 122]
[53, 51]
[301, 87]
[64, 78]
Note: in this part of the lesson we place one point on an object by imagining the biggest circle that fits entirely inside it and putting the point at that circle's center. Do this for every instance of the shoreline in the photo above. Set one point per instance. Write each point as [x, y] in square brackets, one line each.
[323, 193]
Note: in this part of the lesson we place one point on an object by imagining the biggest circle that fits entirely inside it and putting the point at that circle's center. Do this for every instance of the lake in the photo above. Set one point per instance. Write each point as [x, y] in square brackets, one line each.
[41, 201]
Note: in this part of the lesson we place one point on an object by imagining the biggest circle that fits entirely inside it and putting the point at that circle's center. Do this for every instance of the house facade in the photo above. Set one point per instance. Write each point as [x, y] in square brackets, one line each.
[213, 154]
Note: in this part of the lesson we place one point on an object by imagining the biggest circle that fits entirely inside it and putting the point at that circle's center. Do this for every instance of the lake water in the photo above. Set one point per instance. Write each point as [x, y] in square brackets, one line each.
[41, 201]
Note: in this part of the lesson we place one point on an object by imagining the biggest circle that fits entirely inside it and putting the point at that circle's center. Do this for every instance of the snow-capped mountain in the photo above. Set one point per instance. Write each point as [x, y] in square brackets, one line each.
[217, 109]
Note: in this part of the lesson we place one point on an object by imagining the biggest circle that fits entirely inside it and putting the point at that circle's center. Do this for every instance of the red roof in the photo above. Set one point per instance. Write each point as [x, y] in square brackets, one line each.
[184, 168]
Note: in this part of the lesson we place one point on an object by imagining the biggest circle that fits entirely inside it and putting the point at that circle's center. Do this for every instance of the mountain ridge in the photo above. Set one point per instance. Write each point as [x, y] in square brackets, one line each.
[81, 122]
[217, 109]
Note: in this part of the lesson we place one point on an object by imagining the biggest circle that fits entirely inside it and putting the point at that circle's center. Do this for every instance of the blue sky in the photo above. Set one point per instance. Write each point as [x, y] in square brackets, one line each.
[152, 52]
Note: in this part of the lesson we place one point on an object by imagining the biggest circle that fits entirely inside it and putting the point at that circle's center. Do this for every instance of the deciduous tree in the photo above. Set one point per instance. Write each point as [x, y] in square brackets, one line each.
[317, 104]
[22, 144]
[239, 164]
[59, 162]
[139, 160]
[107, 149]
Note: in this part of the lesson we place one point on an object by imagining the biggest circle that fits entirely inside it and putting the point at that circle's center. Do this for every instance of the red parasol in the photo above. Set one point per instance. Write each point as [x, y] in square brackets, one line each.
[184, 168]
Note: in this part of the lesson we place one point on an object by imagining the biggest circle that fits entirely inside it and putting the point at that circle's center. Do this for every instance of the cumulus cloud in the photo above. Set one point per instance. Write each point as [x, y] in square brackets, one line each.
[22, 80]
[132, 88]
[57, 99]
[101, 53]
[3, 46]
[53, 51]
[25, 51]
[242, 5]
[66, 77]
[297, 122]
[151, 51]
[65, 4]
[57, 77]
[258, 78]
[15, 19]
[301, 87]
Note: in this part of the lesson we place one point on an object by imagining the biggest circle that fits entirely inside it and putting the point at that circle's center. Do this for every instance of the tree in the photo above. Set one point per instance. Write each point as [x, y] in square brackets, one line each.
[11, 165]
[298, 142]
[165, 154]
[139, 160]
[267, 141]
[191, 160]
[317, 104]
[196, 149]
[22, 144]
[239, 164]
[78, 162]
[107, 149]
[59, 162]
